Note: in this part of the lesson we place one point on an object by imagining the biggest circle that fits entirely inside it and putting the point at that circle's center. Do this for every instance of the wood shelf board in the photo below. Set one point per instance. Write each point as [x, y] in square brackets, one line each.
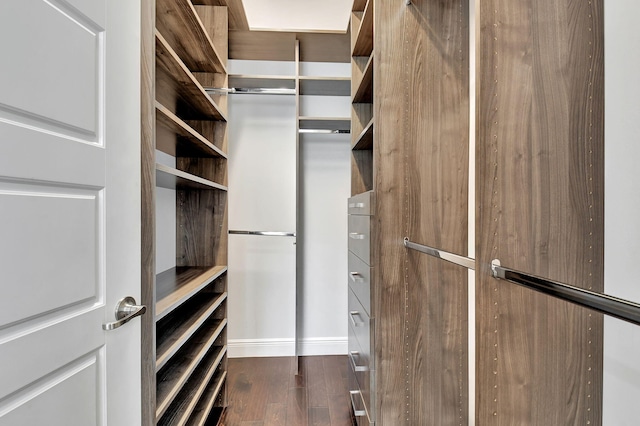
[325, 86]
[178, 21]
[176, 332]
[364, 92]
[203, 409]
[172, 378]
[365, 138]
[325, 123]
[363, 45]
[176, 285]
[191, 143]
[183, 83]
[179, 412]
[262, 81]
[170, 178]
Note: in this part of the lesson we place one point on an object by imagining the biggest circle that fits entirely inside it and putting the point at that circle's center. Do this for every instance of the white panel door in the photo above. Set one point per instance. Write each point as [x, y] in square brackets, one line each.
[262, 269]
[69, 211]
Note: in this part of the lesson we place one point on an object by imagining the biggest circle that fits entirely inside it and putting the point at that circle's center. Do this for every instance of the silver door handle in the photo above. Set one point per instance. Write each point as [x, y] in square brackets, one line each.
[126, 310]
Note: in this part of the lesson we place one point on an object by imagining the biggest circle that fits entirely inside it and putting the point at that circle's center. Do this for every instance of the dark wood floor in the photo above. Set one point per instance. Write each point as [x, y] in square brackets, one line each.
[267, 392]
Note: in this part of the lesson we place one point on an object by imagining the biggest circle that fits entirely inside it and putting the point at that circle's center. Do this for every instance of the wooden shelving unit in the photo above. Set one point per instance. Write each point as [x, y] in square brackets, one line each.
[188, 302]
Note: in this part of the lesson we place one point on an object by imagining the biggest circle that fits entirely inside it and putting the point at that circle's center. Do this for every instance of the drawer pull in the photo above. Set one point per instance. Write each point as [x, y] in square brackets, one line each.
[356, 412]
[356, 205]
[356, 367]
[356, 277]
[353, 315]
[356, 236]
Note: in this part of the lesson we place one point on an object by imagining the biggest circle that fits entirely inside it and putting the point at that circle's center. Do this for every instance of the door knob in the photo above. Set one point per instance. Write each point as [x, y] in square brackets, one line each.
[126, 310]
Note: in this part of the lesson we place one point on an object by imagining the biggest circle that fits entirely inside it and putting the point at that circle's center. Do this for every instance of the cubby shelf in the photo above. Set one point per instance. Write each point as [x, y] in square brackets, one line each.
[262, 81]
[325, 123]
[205, 405]
[175, 81]
[363, 92]
[325, 86]
[363, 45]
[179, 21]
[170, 178]
[365, 139]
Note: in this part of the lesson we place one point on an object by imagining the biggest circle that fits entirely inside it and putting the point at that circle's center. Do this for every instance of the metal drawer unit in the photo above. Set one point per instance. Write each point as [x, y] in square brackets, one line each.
[360, 315]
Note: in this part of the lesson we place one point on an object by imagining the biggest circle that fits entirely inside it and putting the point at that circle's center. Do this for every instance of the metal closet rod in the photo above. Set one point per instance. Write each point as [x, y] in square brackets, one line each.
[264, 233]
[609, 305]
[325, 131]
[249, 91]
[467, 262]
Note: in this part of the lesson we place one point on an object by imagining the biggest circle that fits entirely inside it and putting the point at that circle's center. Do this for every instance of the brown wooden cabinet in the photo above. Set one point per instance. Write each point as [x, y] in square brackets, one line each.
[184, 340]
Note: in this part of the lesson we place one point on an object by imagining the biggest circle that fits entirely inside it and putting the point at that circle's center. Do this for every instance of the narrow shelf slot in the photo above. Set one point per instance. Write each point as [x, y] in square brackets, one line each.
[207, 401]
[364, 91]
[363, 45]
[177, 79]
[190, 143]
[179, 412]
[327, 123]
[325, 86]
[262, 81]
[176, 329]
[183, 28]
[170, 178]
[365, 138]
[172, 378]
[359, 5]
[176, 285]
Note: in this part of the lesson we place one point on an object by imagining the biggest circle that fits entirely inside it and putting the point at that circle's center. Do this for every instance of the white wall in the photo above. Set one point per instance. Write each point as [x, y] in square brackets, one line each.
[622, 208]
[298, 15]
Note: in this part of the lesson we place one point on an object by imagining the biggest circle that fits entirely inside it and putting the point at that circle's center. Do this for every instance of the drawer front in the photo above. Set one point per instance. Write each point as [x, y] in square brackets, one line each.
[360, 324]
[360, 237]
[360, 281]
[360, 409]
[362, 204]
[363, 375]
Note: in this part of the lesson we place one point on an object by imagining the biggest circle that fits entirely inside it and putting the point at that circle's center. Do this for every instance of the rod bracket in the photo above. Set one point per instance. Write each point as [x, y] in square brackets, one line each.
[495, 269]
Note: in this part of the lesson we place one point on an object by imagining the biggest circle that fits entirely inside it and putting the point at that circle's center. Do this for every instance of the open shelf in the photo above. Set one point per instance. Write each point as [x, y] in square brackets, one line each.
[176, 285]
[177, 82]
[205, 405]
[179, 21]
[363, 45]
[262, 81]
[190, 143]
[325, 86]
[325, 123]
[359, 5]
[172, 334]
[365, 138]
[170, 178]
[364, 89]
[172, 378]
[179, 412]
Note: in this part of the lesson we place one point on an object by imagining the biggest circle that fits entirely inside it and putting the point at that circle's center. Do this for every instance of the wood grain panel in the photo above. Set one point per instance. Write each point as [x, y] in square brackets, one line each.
[540, 209]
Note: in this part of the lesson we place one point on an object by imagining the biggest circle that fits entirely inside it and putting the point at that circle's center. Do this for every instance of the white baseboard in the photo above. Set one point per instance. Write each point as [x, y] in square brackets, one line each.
[250, 348]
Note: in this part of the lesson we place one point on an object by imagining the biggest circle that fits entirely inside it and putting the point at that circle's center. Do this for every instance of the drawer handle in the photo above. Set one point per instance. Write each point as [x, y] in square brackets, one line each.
[353, 315]
[356, 205]
[356, 367]
[356, 412]
[356, 236]
[356, 277]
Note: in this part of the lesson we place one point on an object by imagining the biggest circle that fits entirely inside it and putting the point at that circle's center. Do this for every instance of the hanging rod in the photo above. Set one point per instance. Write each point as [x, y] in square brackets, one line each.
[249, 91]
[467, 262]
[612, 306]
[264, 233]
[325, 131]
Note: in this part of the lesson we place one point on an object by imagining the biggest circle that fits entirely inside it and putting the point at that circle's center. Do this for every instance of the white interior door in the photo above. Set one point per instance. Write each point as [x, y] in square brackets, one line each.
[262, 197]
[69, 211]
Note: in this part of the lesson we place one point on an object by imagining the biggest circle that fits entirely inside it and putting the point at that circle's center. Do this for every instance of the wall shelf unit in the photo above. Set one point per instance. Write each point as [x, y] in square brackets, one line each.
[184, 335]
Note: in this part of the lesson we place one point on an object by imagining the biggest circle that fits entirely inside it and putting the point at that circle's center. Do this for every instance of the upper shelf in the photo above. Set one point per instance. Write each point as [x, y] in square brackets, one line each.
[325, 123]
[363, 45]
[262, 81]
[170, 178]
[190, 143]
[178, 80]
[180, 24]
[325, 86]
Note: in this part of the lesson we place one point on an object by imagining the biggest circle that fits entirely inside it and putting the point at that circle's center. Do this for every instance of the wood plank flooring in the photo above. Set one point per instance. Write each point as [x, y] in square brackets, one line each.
[267, 392]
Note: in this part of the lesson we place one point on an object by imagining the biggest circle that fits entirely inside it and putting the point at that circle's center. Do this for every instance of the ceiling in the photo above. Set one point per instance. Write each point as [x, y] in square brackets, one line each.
[326, 16]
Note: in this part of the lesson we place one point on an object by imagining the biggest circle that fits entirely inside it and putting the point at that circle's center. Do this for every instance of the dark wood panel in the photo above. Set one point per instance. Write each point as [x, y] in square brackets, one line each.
[184, 31]
[148, 206]
[540, 209]
[325, 86]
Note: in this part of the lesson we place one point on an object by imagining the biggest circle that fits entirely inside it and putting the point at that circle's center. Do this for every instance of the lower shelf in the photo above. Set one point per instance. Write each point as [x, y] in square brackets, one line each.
[206, 405]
